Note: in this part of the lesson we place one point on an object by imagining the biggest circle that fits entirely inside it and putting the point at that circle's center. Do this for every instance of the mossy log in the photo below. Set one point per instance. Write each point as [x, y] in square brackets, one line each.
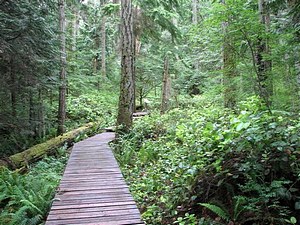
[37, 152]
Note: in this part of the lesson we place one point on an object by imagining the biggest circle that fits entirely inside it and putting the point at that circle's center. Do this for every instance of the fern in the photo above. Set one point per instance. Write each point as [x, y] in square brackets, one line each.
[238, 206]
[217, 210]
[29, 196]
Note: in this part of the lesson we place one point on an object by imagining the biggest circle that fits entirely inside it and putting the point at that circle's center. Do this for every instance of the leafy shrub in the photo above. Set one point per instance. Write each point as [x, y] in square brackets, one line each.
[92, 107]
[246, 163]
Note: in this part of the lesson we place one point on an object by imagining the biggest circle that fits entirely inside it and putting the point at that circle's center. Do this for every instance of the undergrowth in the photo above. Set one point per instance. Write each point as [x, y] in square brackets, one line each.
[27, 198]
[204, 165]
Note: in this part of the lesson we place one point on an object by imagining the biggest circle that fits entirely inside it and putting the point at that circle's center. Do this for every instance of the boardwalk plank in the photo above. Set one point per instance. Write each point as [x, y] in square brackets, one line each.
[93, 190]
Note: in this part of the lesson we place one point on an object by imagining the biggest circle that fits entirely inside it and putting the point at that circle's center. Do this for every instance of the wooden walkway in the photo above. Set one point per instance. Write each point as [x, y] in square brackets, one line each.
[92, 190]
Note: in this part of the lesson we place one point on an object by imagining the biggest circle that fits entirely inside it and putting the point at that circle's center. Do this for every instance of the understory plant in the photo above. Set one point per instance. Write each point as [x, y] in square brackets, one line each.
[218, 166]
[27, 198]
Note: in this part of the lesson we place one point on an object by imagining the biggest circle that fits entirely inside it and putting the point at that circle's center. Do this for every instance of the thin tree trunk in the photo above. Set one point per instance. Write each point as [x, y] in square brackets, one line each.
[75, 29]
[32, 119]
[63, 62]
[126, 100]
[229, 68]
[103, 47]
[195, 22]
[297, 69]
[41, 119]
[136, 47]
[96, 57]
[229, 72]
[13, 90]
[263, 65]
[166, 88]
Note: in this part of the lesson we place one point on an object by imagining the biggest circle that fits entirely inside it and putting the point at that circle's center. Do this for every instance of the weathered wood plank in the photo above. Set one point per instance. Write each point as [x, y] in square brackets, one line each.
[103, 199]
[93, 190]
[103, 214]
[120, 220]
[79, 209]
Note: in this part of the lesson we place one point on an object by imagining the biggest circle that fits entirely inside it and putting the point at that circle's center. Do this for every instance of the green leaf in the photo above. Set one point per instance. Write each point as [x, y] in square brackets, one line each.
[242, 126]
[297, 205]
[293, 220]
[217, 210]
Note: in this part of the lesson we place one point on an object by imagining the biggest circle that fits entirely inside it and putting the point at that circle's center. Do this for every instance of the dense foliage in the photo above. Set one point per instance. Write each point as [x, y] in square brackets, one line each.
[203, 165]
[217, 156]
[26, 199]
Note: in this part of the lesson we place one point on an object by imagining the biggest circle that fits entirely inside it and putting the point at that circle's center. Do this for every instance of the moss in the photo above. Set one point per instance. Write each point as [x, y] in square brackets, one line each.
[38, 151]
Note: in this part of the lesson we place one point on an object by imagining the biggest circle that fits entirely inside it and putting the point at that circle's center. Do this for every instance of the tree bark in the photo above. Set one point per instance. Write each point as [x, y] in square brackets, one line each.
[195, 22]
[229, 68]
[264, 65]
[41, 117]
[166, 88]
[13, 90]
[96, 57]
[126, 100]
[75, 29]
[297, 69]
[103, 47]
[229, 71]
[63, 62]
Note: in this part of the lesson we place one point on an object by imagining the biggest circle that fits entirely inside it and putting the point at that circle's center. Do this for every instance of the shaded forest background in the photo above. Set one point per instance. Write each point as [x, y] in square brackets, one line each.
[221, 77]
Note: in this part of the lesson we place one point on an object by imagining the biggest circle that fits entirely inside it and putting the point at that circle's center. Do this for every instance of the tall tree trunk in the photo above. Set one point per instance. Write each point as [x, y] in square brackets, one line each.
[75, 29]
[13, 90]
[195, 22]
[32, 118]
[229, 68]
[297, 69]
[41, 118]
[63, 62]
[264, 65]
[103, 41]
[229, 71]
[96, 57]
[166, 88]
[126, 100]
[136, 47]
[103, 47]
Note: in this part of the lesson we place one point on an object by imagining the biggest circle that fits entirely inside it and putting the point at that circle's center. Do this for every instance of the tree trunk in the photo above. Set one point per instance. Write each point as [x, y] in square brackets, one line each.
[32, 117]
[166, 88]
[96, 57]
[63, 62]
[75, 29]
[264, 65]
[297, 69]
[195, 22]
[103, 47]
[229, 70]
[41, 118]
[13, 90]
[126, 100]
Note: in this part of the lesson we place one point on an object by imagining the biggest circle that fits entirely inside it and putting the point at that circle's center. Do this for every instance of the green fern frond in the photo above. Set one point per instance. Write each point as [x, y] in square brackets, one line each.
[238, 206]
[217, 210]
[20, 215]
[31, 206]
[35, 220]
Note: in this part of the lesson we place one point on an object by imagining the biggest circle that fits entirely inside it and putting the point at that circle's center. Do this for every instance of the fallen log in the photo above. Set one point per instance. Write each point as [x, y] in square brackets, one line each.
[38, 151]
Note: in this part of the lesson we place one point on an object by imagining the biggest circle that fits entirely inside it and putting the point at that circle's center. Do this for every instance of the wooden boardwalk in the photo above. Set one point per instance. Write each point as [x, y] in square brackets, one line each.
[92, 190]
